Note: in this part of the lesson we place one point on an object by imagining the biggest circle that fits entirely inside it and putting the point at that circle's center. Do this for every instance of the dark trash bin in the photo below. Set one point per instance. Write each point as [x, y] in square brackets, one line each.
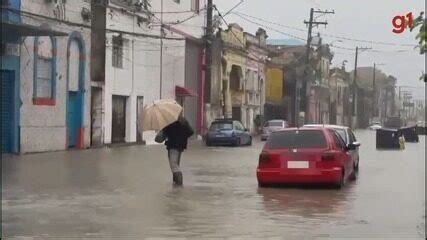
[421, 130]
[410, 134]
[387, 138]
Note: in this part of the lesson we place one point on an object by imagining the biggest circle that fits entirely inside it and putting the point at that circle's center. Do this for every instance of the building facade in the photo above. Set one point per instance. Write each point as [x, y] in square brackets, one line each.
[289, 61]
[255, 76]
[150, 56]
[339, 97]
[238, 75]
[10, 76]
[50, 76]
[319, 94]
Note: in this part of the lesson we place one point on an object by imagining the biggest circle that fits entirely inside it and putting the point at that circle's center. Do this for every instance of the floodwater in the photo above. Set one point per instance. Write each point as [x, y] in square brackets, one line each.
[126, 193]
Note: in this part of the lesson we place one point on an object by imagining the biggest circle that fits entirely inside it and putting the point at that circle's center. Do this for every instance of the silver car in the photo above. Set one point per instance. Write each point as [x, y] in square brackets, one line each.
[347, 136]
[272, 126]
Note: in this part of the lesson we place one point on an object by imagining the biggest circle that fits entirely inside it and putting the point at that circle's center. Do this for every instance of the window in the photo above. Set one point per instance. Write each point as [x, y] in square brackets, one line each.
[342, 133]
[296, 139]
[338, 140]
[274, 124]
[117, 52]
[352, 137]
[44, 71]
[216, 126]
[195, 5]
[239, 126]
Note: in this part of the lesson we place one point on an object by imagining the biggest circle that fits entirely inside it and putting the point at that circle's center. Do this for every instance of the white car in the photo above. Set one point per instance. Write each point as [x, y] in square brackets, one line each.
[375, 127]
[272, 126]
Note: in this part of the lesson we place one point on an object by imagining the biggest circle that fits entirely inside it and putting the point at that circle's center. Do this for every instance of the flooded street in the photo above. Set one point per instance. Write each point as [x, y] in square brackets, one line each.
[127, 193]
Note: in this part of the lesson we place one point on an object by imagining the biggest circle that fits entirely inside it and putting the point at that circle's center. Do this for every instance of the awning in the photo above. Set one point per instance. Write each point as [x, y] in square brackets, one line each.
[23, 29]
[184, 92]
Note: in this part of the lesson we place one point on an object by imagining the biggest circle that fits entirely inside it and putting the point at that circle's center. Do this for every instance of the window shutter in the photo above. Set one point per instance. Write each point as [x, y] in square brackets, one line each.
[44, 78]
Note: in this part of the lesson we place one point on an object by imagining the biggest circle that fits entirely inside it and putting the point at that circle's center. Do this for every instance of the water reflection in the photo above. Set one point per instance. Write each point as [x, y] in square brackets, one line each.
[306, 203]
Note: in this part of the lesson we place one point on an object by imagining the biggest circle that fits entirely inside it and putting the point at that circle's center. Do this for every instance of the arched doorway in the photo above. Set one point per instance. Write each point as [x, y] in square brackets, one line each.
[75, 91]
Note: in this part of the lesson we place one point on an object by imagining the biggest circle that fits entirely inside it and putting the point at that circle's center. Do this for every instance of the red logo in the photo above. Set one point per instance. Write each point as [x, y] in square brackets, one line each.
[401, 22]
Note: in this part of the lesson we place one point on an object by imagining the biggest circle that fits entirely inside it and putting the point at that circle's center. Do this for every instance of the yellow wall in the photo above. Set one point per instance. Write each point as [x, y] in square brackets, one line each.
[274, 85]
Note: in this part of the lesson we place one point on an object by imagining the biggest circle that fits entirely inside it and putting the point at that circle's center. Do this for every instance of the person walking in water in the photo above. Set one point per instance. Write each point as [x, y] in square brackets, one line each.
[176, 136]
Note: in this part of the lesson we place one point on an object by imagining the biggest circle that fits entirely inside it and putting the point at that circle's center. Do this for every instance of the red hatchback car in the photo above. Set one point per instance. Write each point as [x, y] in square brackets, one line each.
[306, 156]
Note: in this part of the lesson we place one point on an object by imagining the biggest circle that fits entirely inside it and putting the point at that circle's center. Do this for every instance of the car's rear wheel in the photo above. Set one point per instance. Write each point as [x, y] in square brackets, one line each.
[353, 175]
[250, 142]
[356, 167]
[342, 181]
[208, 143]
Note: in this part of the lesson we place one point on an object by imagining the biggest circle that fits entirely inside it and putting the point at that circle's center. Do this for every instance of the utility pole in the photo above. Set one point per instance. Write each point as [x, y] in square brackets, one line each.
[161, 48]
[355, 87]
[355, 83]
[301, 95]
[373, 93]
[208, 49]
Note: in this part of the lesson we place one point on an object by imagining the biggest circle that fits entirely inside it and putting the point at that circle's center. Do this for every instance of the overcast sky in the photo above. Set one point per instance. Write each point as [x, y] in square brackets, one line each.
[361, 19]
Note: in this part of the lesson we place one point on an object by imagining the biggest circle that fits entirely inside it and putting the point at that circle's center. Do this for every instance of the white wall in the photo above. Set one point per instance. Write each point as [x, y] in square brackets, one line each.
[140, 75]
[43, 128]
[195, 22]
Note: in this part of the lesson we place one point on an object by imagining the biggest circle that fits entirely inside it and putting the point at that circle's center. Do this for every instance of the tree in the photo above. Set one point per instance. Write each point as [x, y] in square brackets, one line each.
[420, 22]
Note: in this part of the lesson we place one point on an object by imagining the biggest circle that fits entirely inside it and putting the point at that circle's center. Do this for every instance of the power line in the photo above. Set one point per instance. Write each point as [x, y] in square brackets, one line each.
[178, 12]
[266, 21]
[225, 21]
[373, 50]
[300, 38]
[272, 29]
[74, 24]
[234, 34]
[326, 34]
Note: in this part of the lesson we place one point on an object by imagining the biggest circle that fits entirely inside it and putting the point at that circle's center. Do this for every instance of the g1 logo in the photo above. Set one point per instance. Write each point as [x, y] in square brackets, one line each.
[401, 22]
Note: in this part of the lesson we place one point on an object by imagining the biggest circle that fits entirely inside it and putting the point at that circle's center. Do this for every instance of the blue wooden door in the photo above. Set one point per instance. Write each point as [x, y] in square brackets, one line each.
[73, 118]
[7, 113]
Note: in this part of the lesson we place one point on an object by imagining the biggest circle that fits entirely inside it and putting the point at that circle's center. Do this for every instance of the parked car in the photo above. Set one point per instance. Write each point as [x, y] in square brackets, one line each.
[228, 132]
[347, 135]
[272, 126]
[306, 155]
[375, 126]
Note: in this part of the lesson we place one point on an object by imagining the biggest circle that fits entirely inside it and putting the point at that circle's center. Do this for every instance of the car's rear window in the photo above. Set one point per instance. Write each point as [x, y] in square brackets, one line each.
[297, 139]
[274, 124]
[221, 126]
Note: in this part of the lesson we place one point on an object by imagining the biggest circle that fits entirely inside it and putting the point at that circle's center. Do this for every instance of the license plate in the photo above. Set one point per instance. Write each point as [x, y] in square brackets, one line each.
[297, 164]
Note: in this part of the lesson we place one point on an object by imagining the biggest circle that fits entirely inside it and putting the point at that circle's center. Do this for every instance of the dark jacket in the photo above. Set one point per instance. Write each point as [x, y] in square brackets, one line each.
[177, 135]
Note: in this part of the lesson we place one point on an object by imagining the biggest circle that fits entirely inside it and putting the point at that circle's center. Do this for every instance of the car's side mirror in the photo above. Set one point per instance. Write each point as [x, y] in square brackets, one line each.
[246, 130]
[353, 146]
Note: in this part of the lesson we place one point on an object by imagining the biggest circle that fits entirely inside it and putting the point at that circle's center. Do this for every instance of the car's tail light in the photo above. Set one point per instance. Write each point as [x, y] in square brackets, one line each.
[328, 156]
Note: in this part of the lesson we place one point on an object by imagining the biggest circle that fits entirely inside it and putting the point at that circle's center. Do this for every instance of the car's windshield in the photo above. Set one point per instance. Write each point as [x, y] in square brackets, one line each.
[297, 139]
[274, 124]
[221, 126]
